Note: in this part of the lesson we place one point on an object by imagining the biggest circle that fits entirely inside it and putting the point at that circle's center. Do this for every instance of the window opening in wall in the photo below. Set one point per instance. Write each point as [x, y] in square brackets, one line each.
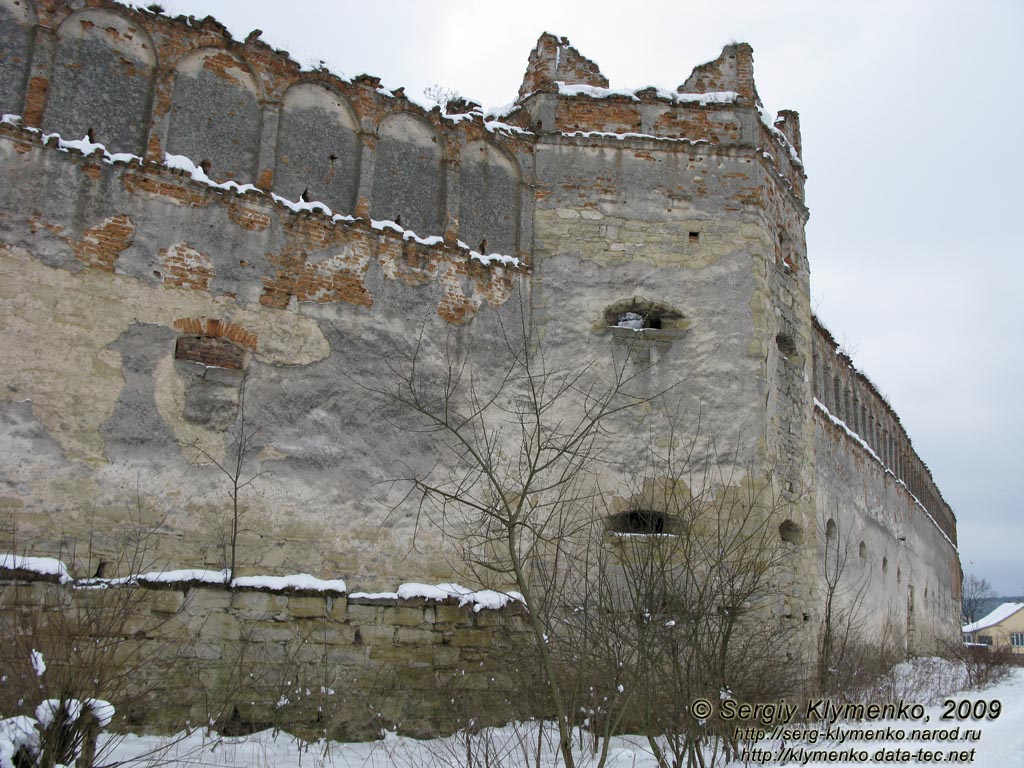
[885, 565]
[899, 575]
[1017, 639]
[211, 351]
[830, 530]
[636, 321]
[863, 551]
[791, 532]
[639, 521]
[785, 344]
[640, 314]
[695, 237]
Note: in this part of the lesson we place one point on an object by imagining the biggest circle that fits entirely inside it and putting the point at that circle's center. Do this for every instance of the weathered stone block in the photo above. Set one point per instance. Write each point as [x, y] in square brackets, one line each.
[472, 638]
[410, 636]
[339, 608]
[452, 614]
[259, 604]
[305, 607]
[377, 634]
[219, 626]
[402, 616]
[166, 601]
[363, 614]
[402, 654]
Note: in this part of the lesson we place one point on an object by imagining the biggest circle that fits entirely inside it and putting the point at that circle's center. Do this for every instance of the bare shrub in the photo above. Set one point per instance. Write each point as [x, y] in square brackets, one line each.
[626, 629]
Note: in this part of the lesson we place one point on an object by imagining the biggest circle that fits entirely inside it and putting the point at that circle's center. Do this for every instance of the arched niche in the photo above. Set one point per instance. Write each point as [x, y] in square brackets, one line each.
[791, 532]
[408, 185]
[102, 81]
[215, 114]
[488, 199]
[17, 18]
[317, 147]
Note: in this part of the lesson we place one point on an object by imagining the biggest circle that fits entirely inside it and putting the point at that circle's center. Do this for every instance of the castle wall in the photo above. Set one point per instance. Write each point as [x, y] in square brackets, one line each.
[143, 83]
[321, 664]
[107, 267]
[902, 578]
[849, 396]
[140, 304]
[17, 20]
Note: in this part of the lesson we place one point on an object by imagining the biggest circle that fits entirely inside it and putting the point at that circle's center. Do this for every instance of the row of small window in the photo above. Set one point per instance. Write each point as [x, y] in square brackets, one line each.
[1016, 639]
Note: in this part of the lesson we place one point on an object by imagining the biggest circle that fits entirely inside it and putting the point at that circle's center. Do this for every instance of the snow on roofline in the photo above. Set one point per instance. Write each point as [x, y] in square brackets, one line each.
[87, 147]
[1003, 612]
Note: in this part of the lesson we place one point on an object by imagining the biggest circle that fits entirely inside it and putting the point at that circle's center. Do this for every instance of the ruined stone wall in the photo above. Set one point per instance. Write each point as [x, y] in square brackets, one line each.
[122, 283]
[332, 225]
[319, 664]
[894, 530]
[146, 84]
[851, 397]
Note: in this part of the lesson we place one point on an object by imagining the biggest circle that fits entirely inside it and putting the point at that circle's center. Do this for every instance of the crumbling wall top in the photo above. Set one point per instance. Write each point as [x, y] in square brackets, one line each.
[553, 60]
[733, 71]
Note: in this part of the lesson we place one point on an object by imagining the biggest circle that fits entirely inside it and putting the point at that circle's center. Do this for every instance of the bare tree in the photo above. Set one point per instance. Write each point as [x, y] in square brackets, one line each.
[626, 629]
[676, 600]
[75, 652]
[518, 484]
[235, 467]
[975, 594]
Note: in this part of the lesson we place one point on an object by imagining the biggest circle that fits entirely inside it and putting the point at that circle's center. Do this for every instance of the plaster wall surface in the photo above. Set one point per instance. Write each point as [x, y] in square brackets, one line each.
[139, 302]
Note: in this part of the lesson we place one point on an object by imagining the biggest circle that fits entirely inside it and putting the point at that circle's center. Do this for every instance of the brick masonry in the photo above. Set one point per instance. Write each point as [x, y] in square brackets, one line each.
[133, 297]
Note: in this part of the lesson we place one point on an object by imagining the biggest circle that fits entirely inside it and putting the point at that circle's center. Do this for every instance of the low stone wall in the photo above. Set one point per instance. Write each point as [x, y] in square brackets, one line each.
[311, 663]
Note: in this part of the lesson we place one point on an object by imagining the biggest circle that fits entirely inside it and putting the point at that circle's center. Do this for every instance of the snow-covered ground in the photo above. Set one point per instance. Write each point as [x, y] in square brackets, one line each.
[999, 743]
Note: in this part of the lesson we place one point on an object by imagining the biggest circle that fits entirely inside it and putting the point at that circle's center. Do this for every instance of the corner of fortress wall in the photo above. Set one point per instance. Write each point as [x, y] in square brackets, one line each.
[154, 259]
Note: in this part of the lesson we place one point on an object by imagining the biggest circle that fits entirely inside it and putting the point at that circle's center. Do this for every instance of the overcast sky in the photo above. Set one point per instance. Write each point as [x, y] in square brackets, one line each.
[911, 112]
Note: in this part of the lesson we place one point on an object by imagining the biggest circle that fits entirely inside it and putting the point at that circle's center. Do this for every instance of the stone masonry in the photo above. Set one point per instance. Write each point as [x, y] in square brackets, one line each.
[157, 262]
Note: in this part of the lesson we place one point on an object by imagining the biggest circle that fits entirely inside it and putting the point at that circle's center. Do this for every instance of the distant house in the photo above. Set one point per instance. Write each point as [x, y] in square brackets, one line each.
[1002, 629]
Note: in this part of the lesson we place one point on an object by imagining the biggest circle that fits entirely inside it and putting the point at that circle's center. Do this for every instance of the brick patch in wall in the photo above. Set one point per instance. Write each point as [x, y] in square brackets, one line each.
[210, 351]
[185, 267]
[215, 328]
[134, 182]
[35, 101]
[248, 218]
[103, 243]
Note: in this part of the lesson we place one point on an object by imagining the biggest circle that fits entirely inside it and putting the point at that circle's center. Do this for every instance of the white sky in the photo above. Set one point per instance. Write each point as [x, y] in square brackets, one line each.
[911, 112]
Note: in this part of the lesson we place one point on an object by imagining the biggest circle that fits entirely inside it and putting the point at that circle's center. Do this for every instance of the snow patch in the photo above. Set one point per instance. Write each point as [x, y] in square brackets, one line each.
[631, 135]
[495, 126]
[303, 581]
[19, 732]
[51, 710]
[38, 664]
[181, 576]
[769, 123]
[407, 234]
[482, 599]
[486, 259]
[298, 206]
[596, 92]
[45, 566]
[182, 163]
